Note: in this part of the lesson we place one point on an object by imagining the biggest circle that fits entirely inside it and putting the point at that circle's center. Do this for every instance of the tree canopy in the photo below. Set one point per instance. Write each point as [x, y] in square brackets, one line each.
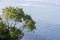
[8, 21]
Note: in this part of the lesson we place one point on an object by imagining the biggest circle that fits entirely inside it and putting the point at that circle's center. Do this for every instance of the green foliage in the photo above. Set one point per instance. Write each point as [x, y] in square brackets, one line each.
[12, 34]
[15, 33]
[30, 25]
[17, 15]
[0, 24]
[13, 13]
[3, 29]
[27, 18]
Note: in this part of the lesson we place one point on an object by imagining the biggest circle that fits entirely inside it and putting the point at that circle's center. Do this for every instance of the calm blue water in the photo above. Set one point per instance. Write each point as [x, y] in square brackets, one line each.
[47, 23]
[46, 13]
[44, 31]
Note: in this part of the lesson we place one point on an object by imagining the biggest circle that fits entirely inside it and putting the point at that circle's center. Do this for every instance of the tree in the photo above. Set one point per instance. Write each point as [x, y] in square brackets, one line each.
[8, 21]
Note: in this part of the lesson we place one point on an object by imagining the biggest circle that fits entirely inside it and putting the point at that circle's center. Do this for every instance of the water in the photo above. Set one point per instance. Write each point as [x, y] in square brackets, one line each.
[44, 31]
[46, 10]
